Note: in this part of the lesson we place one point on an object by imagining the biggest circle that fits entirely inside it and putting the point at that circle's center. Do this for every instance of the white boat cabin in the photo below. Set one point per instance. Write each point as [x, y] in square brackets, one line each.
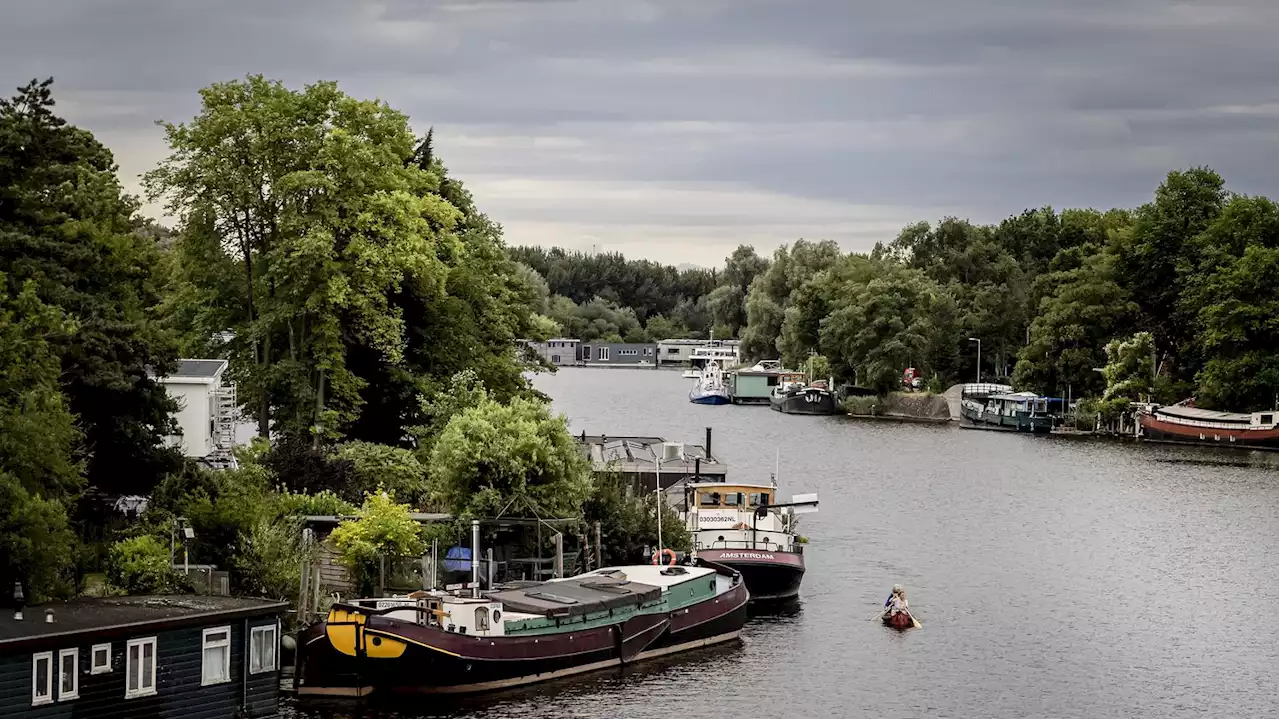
[724, 516]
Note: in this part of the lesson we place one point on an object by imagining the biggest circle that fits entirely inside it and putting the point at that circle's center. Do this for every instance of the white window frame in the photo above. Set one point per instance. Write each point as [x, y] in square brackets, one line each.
[75, 674]
[145, 689]
[226, 656]
[36, 698]
[602, 354]
[255, 662]
[94, 666]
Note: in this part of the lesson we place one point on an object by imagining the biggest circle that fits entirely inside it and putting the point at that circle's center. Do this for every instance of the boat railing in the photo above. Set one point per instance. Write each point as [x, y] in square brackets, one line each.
[748, 544]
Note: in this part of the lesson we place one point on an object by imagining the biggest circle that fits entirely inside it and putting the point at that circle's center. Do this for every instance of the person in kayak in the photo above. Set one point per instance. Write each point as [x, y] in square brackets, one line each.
[897, 601]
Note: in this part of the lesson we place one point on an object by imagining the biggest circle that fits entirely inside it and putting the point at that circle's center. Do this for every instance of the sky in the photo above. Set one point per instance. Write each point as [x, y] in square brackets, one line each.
[675, 131]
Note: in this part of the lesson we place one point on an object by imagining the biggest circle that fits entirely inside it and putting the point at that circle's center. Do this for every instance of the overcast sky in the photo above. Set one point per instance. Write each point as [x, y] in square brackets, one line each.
[677, 130]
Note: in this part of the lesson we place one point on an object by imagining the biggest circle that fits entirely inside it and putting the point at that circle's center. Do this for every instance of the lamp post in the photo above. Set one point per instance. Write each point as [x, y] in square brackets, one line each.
[979, 373]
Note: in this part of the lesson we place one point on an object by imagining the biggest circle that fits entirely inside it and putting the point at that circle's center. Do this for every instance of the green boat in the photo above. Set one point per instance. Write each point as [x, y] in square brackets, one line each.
[1013, 411]
[754, 385]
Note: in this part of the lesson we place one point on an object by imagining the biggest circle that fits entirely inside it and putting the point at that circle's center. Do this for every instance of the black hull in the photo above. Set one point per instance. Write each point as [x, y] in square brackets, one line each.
[823, 403]
[455, 665]
[770, 583]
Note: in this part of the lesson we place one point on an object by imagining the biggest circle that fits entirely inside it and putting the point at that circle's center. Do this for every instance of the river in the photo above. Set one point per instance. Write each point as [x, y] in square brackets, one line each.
[1054, 577]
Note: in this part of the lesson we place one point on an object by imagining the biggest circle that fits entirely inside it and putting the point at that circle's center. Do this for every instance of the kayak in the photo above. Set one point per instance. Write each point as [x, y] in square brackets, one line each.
[901, 620]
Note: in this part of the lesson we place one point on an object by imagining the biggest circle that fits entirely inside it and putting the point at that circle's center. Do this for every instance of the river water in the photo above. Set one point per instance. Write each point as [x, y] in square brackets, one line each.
[1054, 577]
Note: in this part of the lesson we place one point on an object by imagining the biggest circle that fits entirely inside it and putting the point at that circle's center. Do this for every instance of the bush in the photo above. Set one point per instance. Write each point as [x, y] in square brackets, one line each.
[140, 565]
[393, 469]
[381, 527]
[322, 503]
[269, 563]
[865, 406]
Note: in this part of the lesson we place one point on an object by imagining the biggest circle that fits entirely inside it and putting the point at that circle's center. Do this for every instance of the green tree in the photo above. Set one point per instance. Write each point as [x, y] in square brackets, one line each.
[1185, 205]
[1086, 309]
[312, 194]
[1130, 368]
[771, 291]
[494, 457]
[1231, 300]
[383, 467]
[381, 528]
[67, 231]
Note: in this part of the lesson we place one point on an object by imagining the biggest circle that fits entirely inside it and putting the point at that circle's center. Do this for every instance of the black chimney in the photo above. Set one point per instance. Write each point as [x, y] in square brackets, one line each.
[708, 447]
[697, 468]
[19, 600]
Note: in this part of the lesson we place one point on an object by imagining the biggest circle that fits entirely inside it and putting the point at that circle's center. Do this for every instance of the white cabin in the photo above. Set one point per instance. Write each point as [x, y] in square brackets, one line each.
[206, 409]
[722, 515]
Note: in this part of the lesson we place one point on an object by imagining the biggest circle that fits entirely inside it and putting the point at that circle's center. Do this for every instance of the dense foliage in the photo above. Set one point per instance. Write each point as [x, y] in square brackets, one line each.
[1044, 292]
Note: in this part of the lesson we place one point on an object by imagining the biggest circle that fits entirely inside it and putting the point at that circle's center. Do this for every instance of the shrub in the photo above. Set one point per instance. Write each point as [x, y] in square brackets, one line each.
[323, 503]
[381, 527]
[140, 565]
[865, 406]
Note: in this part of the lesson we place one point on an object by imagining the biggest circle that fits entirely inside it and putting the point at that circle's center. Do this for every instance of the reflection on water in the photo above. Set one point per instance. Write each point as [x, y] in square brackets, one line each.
[1053, 577]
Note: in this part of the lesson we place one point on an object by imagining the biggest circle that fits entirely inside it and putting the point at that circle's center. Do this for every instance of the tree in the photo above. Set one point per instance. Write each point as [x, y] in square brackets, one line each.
[1086, 309]
[493, 457]
[770, 293]
[1231, 300]
[1130, 368]
[1185, 204]
[312, 194]
[883, 327]
[67, 229]
[381, 528]
[660, 328]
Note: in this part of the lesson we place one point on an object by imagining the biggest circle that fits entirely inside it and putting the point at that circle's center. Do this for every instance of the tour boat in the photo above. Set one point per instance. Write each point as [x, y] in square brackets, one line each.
[433, 642]
[792, 396]
[710, 387]
[743, 527]
[1185, 423]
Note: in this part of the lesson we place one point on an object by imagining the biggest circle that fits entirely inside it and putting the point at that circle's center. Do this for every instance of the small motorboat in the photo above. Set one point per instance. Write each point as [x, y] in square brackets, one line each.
[901, 620]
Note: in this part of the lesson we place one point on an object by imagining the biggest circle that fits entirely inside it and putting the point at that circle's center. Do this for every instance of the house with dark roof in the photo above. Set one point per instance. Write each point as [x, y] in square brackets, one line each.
[207, 411]
[194, 657]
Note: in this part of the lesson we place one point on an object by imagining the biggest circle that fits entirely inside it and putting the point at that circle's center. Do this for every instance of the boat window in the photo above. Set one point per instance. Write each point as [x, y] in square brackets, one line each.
[1266, 419]
[733, 499]
[772, 381]
[711, 499]
[482, 619]
[759, 498]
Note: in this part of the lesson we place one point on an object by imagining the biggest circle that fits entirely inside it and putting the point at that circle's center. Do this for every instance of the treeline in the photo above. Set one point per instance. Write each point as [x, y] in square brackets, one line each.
[1173, 299]
[369, 312]
[605, 296]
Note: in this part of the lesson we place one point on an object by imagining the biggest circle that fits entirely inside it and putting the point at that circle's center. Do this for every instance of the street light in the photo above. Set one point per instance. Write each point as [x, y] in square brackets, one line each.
[975, 339]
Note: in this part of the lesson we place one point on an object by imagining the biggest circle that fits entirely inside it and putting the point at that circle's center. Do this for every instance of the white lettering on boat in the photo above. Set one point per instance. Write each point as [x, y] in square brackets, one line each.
[746, 555]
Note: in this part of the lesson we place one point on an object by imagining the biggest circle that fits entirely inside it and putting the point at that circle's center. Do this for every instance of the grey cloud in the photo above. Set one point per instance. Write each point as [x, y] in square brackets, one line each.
[891, 111]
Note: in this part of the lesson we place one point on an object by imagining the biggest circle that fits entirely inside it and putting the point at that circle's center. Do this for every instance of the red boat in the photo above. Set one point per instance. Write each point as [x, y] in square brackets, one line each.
[901, 620]
[1186, 424]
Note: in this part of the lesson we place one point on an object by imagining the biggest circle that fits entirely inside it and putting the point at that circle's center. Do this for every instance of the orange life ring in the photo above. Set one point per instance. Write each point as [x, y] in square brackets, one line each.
[669, 552]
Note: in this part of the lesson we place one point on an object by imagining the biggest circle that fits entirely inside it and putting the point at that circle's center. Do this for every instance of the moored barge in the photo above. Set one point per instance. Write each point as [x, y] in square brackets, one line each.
[438, 643]
[1185, 424]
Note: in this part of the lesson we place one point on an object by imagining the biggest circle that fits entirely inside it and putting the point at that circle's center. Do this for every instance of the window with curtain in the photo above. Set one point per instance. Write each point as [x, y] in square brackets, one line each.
[215, 661]
[262, 649]
[41, 678]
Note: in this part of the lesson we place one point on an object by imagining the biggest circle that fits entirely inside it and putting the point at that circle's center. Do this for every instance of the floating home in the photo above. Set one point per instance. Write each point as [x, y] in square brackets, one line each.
[1019, 411]
[754, 385]
[642, 458]
[126, 657]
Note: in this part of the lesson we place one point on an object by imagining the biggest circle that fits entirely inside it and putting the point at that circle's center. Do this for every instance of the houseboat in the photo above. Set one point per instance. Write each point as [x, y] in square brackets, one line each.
[432, 642]
[722, 354]
[710, 387]
[754, 385]
[1183, 423]
[1017, 412]
[141, 657]
[793, 396]
[742, 526]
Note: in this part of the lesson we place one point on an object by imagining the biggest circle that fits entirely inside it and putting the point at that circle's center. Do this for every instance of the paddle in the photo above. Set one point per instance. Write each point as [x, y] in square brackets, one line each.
[916, 622]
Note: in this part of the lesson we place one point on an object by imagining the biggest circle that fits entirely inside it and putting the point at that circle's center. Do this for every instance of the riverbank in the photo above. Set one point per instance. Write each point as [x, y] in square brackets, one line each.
[900, 406]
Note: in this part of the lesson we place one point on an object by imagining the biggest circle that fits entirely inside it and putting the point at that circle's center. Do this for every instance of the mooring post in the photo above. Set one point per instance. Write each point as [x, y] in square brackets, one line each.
[475, 559]
[559, 566]
[599, 564]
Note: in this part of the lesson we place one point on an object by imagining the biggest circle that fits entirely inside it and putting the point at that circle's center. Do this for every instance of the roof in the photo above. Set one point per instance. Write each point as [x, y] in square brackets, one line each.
[197, 369]
[1207, 415]
[728, 486]
[638, 454]
[113, 614]
[1016, 396]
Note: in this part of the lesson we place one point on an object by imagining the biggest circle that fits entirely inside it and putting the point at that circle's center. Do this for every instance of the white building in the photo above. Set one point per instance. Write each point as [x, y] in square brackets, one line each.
[207, 410]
